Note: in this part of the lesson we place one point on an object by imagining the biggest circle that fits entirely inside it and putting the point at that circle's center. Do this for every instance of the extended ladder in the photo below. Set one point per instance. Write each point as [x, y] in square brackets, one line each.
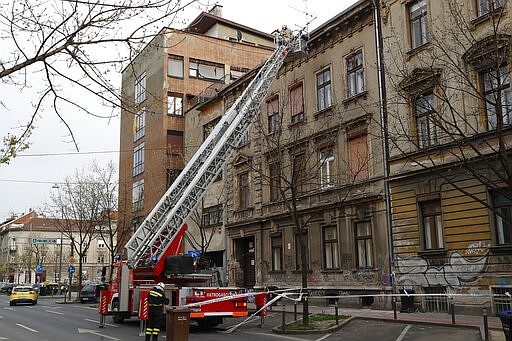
[148, 244]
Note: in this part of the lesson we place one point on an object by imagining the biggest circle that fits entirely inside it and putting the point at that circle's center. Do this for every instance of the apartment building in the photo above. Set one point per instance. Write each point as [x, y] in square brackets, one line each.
[450, 113]
[32, 240]
[176, 70]
[305, 190]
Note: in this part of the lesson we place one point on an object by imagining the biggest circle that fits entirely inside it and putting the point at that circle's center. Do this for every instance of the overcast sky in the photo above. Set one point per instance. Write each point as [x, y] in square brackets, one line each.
[27, 181]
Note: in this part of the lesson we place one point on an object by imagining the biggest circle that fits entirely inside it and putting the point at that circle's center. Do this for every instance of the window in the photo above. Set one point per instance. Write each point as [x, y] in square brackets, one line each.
[297, 103]
[138, 159]
[101, 243]
[274, 120]
[301, 246]
[175, 66]
[330, 238]
[358, 158]
[326, 168]
[237, 72]
[175, 104]
[298, 173]
[355, 74]
[172, 174]
[498, 97]
[424, 110]
[205, 70]
[432, 224]
[418, 23]
[139, 124]
[101, 259]
[138, 195]
[243, 190]
[503, 217]
[364, 244]
[84, 259]
[212, 216]
[244, 140]
[277, 252]
[208, 127]
[140, 89]
[323, 88]
[275, 180]
[487, 6]
[174, 142]
[136, 223]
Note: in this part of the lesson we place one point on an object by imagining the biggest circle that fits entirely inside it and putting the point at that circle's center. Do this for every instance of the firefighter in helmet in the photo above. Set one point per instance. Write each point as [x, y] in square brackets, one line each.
[156, 300]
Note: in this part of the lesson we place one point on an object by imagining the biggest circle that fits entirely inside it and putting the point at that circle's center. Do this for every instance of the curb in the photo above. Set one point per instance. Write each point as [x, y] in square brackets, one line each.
[279, 330]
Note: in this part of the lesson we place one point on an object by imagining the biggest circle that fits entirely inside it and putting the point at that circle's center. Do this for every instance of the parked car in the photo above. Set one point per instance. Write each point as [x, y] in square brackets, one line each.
[49, 288]
[7, 288]
[23, 294]
[91, 292]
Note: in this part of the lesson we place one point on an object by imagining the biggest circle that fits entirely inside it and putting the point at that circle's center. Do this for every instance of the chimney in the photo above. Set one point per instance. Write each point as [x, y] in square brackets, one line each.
[216, 10]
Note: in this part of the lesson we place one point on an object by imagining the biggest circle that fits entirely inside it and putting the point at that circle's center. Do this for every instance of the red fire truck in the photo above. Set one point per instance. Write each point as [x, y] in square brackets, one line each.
[128, 291]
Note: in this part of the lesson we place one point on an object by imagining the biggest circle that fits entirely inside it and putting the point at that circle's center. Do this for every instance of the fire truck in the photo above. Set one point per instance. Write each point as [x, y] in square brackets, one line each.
[151, 254]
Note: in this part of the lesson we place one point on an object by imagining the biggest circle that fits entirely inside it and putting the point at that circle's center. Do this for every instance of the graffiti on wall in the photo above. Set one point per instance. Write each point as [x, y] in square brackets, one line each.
[459, 269]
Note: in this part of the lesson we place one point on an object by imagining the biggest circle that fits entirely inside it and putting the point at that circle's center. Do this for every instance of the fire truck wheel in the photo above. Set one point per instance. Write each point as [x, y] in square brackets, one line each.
[117, 318]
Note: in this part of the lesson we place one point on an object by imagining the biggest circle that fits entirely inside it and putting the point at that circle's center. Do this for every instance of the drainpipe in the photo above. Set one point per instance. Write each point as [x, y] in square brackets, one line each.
[384, 136]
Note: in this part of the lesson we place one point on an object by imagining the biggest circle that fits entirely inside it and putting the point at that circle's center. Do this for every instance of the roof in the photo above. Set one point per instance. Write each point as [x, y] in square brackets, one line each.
[205, 21]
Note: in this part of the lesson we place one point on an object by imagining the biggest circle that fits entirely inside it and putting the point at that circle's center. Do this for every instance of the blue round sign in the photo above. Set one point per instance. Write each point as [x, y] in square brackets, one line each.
[39, 269]
[71, 269]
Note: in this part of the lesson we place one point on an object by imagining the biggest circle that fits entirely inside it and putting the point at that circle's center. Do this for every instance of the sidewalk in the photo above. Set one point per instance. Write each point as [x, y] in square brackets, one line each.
[494, 323]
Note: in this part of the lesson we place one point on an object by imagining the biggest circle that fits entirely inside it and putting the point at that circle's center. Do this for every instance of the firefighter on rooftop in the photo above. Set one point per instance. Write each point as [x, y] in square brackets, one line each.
[156, 300]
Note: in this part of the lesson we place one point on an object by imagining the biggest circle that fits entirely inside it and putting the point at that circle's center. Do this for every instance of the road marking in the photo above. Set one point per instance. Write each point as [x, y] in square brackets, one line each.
[96, 321]
[323, 337]
[3, 338]
[54, 312]
[27, 328]
[90, 331]
[9, 308]
[277, 336]
[406, 329]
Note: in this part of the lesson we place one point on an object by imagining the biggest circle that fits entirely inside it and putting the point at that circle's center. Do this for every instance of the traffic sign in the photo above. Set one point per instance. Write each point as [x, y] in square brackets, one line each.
[39, 269]
[44, 240]
[71, 260]
[71, 269]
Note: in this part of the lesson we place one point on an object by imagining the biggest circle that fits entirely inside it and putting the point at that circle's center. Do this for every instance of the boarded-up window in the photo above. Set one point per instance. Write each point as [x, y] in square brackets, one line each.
[174, 142]
[358, 149]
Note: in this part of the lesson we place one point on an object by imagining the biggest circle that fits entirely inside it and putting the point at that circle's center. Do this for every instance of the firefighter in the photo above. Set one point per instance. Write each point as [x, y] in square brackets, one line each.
[156, 300]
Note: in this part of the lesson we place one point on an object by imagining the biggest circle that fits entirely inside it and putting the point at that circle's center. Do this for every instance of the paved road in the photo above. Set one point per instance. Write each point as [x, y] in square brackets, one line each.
[79, 322]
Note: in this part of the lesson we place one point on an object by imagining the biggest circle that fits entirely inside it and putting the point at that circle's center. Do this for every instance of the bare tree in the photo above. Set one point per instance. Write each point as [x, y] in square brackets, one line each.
[108, 228]
[80, 204]
[55, 45]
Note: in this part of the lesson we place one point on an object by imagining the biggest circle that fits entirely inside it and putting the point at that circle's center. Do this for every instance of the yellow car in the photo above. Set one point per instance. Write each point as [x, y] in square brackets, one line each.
[23, 294]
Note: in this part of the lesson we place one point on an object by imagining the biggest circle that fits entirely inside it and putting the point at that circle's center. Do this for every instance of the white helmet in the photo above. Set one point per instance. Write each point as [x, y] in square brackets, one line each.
[160, 286]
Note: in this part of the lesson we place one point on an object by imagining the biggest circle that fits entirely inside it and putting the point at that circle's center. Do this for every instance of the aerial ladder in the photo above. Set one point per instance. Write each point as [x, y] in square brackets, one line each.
[159, 234]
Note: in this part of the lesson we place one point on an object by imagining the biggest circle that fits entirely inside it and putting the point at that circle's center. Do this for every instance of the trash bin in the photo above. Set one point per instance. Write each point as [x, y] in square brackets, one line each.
[506, 321]
[407, 301]
[43, 291]
[177, 323]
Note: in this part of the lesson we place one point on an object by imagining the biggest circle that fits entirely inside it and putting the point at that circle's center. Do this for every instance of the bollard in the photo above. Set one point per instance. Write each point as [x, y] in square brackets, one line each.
[486, 325]
[295, 310]
[452, 309]
[283, 327]
[394, 307]
[336, 313]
